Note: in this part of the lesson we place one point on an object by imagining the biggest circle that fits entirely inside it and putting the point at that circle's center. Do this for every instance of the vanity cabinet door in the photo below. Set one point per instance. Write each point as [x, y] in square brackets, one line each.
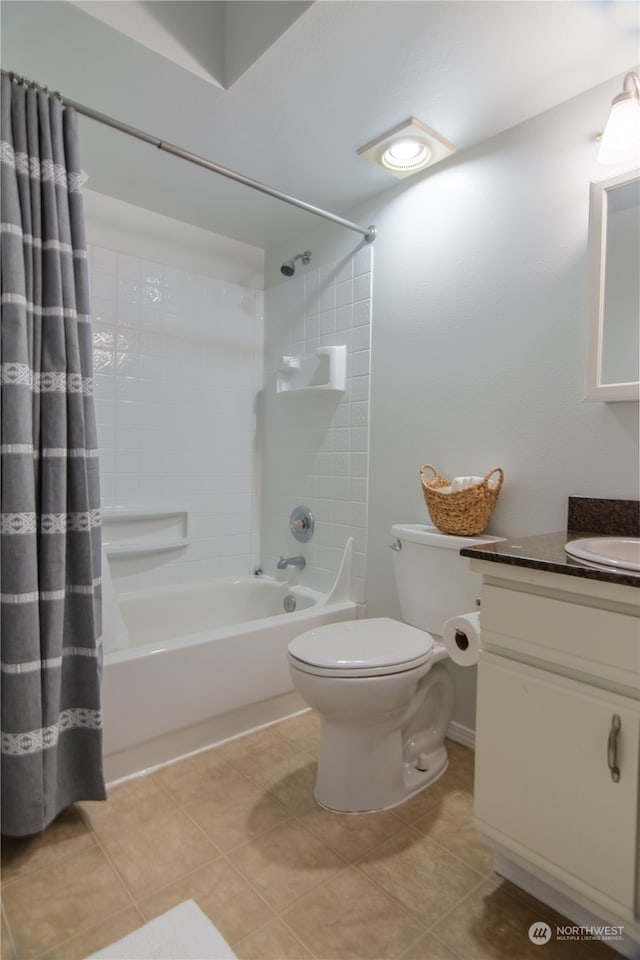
[543, 781]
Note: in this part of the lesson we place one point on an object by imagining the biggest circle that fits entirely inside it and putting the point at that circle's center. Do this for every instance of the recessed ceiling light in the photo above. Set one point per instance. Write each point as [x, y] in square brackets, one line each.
[406, 155]
[408, 148]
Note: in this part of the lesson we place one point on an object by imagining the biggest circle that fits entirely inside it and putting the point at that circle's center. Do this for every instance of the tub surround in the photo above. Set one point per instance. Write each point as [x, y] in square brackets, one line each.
[177, 331]
[315, 437]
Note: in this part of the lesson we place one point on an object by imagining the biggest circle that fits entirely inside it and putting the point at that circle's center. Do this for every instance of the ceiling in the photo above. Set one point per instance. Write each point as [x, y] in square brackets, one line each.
[297, 95]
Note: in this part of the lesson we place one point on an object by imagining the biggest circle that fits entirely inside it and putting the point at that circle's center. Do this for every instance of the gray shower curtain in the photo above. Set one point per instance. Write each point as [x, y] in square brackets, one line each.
[50, 526]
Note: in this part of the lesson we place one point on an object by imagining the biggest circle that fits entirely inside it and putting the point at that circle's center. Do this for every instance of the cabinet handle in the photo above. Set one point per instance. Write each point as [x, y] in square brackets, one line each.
[612, 747]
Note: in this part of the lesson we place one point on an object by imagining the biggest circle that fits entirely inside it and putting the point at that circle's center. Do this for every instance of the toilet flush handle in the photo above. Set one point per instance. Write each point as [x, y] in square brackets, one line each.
[396, 545]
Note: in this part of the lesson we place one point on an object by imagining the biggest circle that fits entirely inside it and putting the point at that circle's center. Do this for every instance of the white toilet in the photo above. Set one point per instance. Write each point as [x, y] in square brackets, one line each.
[383, 696]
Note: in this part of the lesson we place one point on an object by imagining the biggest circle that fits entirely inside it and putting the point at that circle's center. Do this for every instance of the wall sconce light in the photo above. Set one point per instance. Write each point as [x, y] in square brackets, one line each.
[621, 138]
[408, 148]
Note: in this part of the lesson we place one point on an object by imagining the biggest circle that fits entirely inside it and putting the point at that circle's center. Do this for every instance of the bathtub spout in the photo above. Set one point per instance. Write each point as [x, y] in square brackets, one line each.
[285, 562]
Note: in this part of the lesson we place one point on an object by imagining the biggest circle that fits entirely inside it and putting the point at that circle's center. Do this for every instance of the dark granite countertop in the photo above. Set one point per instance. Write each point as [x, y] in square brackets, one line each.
[546, 552]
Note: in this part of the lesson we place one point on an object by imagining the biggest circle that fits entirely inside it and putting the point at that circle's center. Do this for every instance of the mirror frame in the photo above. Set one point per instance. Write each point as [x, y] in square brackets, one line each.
[595, 389]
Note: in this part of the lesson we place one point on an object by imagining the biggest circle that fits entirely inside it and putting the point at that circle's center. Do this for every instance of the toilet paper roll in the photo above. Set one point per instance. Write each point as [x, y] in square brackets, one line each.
[461, 637]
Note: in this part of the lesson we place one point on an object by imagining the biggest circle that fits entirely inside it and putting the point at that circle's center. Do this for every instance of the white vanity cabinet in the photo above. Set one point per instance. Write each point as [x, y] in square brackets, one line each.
[558, 738]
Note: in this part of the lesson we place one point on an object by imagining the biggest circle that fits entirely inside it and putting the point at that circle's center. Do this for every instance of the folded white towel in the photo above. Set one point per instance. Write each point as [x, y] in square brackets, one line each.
[463, 483]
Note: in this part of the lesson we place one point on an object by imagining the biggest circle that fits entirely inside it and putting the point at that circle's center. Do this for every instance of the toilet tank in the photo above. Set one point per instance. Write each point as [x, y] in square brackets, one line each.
[434, 582]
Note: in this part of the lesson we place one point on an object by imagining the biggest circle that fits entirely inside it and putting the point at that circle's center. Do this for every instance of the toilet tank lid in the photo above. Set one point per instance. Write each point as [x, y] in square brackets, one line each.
[423, 533]
[358, 644]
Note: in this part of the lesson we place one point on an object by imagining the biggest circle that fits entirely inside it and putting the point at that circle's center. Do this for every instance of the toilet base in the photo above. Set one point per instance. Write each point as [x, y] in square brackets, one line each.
[415, 780]
[364, 765]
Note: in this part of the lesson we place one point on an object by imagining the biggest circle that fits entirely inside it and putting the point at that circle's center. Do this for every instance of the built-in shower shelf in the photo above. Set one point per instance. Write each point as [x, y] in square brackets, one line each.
[135, 531]
[325, 372]
[313, 389]
[138, 549]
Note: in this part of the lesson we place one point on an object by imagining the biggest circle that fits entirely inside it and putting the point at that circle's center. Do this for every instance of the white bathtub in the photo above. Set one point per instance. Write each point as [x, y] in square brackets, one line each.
[205, 662]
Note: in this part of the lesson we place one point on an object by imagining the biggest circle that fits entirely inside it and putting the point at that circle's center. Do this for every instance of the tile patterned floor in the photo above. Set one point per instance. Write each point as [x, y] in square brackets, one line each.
[237, 830]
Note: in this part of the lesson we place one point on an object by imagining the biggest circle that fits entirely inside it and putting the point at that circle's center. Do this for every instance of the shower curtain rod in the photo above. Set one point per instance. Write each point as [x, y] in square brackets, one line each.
[369, 233]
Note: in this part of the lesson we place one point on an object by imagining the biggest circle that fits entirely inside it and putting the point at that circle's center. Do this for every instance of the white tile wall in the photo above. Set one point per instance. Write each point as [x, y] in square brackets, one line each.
[315, 448]
[178, 365]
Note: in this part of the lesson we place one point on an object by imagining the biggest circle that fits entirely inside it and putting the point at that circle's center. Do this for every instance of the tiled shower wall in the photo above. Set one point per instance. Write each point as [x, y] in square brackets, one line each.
[316, 446]
[178, 364]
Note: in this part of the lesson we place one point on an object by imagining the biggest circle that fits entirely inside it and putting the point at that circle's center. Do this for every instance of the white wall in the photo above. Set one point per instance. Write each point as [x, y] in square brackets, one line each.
[480, 307]
[478, 338]
[178, 363]
[315, 446]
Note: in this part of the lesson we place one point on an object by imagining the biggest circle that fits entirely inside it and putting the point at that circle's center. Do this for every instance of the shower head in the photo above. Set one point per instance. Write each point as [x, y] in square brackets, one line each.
[289, 268]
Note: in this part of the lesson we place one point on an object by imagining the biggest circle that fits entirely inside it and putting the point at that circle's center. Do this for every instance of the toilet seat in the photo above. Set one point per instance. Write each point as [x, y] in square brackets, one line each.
[361, 648]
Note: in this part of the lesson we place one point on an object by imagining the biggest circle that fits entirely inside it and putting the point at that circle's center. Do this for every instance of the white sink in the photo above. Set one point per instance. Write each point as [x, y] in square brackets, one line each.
[623, 552]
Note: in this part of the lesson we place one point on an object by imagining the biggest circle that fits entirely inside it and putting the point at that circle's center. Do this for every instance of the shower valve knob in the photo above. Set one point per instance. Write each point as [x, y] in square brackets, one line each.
[301, 524]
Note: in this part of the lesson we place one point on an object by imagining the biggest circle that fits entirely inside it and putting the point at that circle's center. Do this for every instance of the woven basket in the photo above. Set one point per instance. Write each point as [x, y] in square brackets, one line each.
[465, 512]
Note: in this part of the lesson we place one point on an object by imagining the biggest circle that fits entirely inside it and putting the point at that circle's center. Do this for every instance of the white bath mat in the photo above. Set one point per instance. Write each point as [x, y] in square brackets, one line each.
[183, 933]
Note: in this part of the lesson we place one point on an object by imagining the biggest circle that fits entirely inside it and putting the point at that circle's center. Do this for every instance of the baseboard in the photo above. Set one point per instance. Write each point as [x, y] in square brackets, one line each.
[462, 734]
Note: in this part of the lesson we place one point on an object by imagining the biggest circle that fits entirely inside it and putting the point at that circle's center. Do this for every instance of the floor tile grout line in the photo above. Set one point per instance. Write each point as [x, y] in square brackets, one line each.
[402, 825]
[407, 955]
[46, 954]
[134, 899]
[184, 806]
[279, 913]
[241, 843]
[255, 890]
[456, 856]
[164, 787]
[14, 952]
[299, 939]
[262, 784]
[241, 770]
[427, 928]
[292, 816]
[216, 848]
[117, 872]
[187, 759]
[280, 919]
[386, 892]
[183, 876]
[481, 879]
[177, 878]
[29, 877]
[11, 881]
[395, 900]
[455, 906]
[104, 838]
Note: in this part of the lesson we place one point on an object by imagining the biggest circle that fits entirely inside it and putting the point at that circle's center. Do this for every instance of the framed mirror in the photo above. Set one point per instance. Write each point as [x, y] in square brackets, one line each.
[613, 343]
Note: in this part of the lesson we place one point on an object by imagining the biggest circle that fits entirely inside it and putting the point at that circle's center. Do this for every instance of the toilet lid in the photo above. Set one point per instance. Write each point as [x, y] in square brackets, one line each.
[367, 646]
